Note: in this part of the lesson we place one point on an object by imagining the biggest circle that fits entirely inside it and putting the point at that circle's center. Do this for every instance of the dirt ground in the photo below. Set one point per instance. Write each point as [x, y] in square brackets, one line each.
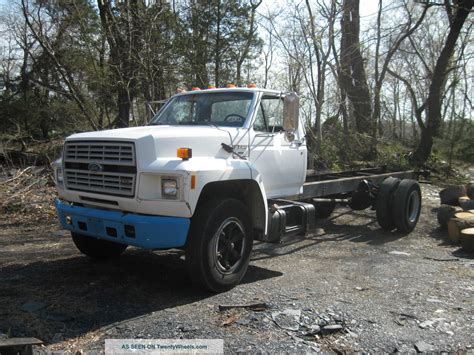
[378, 291]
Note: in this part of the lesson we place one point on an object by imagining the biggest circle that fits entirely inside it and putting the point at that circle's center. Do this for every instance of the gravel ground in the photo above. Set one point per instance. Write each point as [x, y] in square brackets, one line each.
[377, 291]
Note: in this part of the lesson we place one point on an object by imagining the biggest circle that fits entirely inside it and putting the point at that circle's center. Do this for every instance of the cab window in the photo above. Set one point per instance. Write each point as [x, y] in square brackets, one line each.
[269, 115]
[260, 124]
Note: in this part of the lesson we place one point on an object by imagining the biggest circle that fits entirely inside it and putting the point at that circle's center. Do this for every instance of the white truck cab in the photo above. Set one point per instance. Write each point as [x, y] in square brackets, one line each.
[214, 170]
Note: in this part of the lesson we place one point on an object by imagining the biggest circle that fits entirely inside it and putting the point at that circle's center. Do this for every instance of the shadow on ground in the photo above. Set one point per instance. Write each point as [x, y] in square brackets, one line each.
[327, 231]
[73, 296]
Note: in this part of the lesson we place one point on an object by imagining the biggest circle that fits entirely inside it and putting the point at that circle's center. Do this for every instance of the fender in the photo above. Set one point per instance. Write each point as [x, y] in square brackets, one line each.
[232, 177]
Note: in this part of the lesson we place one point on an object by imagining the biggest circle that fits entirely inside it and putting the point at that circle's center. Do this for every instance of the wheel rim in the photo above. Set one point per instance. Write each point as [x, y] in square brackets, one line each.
[413, 206]
[230, 245]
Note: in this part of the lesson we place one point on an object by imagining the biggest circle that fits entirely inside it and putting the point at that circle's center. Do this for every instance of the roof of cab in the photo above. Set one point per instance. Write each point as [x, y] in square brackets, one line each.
[236, 89]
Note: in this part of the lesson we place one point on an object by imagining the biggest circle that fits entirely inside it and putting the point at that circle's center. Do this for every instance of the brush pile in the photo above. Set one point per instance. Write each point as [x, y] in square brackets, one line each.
[27, 193]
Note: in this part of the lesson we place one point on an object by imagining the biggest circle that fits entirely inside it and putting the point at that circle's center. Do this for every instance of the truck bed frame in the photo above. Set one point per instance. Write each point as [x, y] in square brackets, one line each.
[329, 183]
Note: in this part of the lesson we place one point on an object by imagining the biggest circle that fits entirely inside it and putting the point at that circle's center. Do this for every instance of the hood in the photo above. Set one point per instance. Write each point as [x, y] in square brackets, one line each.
[203, 140]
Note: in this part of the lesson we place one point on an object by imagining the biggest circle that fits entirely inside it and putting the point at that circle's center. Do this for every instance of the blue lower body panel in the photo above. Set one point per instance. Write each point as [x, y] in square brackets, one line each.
[149, 232]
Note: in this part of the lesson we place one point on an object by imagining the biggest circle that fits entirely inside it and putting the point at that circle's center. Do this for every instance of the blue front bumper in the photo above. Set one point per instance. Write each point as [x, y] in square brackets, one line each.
[149, 232]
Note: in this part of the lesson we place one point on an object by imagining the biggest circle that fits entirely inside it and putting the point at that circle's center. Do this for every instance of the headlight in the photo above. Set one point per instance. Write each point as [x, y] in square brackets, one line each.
[169, 188]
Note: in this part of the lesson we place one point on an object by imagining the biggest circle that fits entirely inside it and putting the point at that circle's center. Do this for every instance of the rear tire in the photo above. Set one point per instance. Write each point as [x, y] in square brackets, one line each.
[406, 205]
[219, 244]
[383, 204]
[97, 248]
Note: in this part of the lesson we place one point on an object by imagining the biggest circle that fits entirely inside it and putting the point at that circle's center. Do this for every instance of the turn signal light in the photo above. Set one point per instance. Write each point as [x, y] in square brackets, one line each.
[184, 153]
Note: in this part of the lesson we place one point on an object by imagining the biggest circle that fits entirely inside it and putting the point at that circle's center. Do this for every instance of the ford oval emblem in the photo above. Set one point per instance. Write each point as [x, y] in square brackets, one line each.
[95, 167]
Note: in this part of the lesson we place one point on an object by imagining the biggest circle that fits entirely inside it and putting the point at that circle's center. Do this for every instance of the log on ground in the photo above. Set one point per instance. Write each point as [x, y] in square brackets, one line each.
[467, 239]
[456, 226]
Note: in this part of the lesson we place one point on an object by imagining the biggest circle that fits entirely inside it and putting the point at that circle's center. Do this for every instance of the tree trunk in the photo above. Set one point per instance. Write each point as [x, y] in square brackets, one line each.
[353, 76]
[123, 100]
[438, 81]
[217, 58]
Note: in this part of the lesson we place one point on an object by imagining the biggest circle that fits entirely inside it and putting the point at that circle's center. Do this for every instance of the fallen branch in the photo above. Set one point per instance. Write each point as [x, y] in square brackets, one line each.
[17, 176]
[254, 307]
[436, 259]
[21, 192]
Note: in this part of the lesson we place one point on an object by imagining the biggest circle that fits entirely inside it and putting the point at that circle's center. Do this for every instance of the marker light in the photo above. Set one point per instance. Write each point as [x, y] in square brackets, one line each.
[195, 88]
[59, 176]
[193, 181]
[230, 86]
[211, 87]
[184, 153]
[252, 86]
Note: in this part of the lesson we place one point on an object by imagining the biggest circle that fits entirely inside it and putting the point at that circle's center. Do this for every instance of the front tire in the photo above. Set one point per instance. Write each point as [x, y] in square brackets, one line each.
[97, 248]
[219, 244]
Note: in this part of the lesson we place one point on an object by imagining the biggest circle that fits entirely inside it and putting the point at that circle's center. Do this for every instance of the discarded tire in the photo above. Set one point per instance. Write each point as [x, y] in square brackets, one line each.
[383, 204]
[467, 239]
[406, 205]
[470, 190]
[451, 195]
[445, 213]
[466, 203]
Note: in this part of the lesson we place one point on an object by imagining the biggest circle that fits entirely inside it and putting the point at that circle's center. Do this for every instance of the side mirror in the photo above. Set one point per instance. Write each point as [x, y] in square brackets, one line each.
[291, 110]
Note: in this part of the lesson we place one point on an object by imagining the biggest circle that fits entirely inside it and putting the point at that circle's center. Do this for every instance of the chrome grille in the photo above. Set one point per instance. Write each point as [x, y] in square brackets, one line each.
[117, 174]
[120, 153]
[109, 183]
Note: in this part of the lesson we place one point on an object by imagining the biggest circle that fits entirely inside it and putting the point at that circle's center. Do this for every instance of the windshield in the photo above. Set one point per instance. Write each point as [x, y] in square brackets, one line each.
[222, 109]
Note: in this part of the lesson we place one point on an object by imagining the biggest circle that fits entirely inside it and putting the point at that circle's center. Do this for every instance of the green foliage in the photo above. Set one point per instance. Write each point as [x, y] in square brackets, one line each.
[84, 65]
[394, 155]
[215, 38]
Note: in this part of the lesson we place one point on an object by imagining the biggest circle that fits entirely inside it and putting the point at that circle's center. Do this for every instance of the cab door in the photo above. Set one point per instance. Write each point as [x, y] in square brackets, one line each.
[280, 163]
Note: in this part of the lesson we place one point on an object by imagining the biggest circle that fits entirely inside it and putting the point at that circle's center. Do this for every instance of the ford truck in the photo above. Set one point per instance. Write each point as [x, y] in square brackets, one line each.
[213, 171]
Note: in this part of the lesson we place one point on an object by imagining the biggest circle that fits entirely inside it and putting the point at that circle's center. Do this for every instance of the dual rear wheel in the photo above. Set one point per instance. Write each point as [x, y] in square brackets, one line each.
[398, 204]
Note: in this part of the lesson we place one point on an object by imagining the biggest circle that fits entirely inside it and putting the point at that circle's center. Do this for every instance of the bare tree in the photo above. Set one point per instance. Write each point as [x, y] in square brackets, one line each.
[457, 12]
[380, 71]
[39, 31]
[353, 75]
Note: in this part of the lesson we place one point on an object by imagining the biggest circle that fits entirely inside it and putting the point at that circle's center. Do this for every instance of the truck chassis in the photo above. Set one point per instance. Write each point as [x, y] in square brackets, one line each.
[394, 194]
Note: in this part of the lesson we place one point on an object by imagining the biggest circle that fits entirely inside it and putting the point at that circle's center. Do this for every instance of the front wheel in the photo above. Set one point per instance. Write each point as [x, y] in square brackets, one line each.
[219, 244]
[97, 248]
